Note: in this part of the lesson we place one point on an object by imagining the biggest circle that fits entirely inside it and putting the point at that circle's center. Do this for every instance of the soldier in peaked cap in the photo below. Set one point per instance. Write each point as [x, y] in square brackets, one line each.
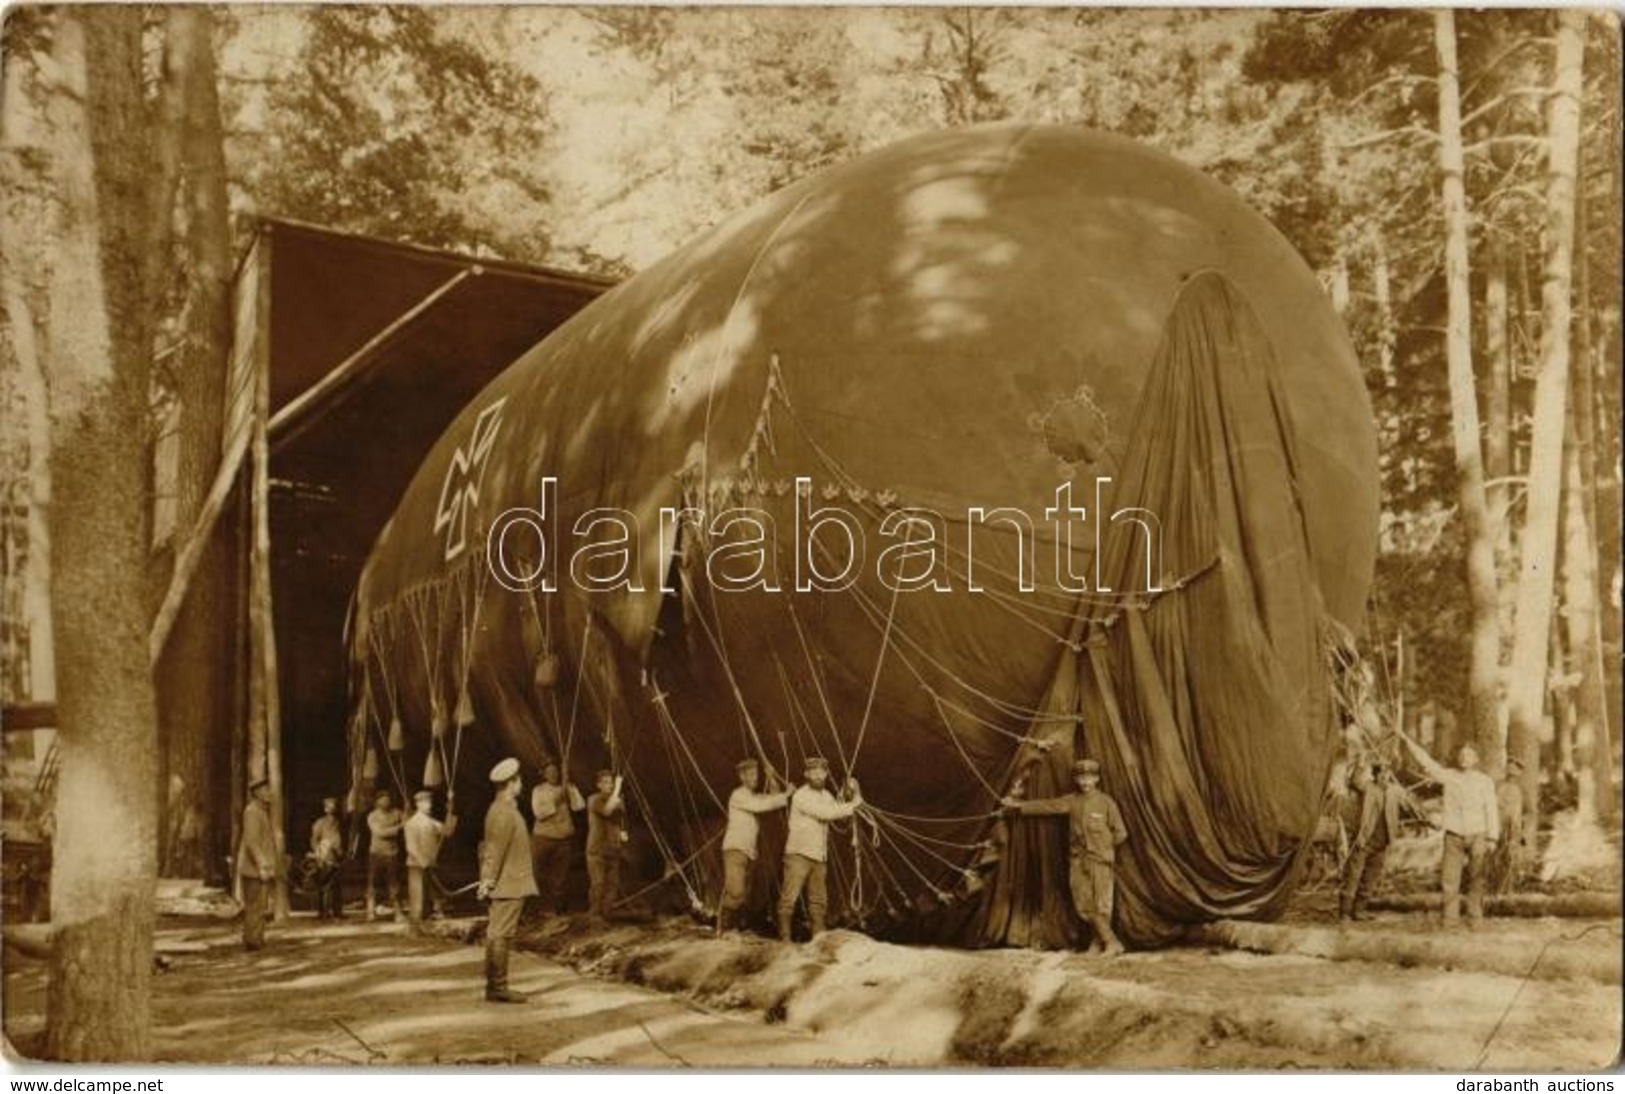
[1096, 827]
[806, 848]
[327, 848]
[552, 835]
[424, 836]
[606, 842]
[1511, 851]
[257, 859]
[384, 824]
[505, 878]
[739, 841]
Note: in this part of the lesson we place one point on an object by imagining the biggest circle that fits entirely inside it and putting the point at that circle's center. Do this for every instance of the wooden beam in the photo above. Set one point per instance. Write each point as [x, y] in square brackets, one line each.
[191, 555]
[300, 412]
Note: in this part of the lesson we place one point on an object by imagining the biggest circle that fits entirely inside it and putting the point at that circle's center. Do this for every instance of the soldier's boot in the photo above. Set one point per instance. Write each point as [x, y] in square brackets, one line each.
[1344, 911]
[1108, 938]
[1452, 911]
[784, 926]
[496, 975]
[816, 915]
[1359, 913]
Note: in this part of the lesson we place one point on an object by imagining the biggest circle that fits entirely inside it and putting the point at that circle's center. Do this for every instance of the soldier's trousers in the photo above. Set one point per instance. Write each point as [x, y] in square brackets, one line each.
[383, 868]
[329, 898]
[603, 882]
[735, 880]
[503, 918]
[255, 892]
[1473, 854]
[550, 859]
[801, 872]
[421, 883]
[1093, 888]
[1360, 875]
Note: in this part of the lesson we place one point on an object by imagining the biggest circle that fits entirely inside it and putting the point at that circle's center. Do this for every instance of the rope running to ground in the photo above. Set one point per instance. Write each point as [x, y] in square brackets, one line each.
[1529, 975]
[676, 872]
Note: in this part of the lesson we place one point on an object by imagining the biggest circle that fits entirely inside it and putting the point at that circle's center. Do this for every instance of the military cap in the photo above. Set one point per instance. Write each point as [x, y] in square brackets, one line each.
[330, 801]
[747, 765]
[423, 795]
[505, 770]
[814, 762]
[1086, 767]
[603, 773]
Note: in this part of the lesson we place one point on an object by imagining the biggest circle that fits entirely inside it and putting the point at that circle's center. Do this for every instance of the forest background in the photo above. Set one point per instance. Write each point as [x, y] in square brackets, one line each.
[1452, 177]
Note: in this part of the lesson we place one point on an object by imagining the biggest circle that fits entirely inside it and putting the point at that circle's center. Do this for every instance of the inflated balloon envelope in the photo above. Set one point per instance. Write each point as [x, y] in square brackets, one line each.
[884, 395]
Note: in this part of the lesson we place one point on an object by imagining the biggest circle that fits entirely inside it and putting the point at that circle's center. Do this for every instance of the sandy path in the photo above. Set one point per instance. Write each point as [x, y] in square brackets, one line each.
[364, 993]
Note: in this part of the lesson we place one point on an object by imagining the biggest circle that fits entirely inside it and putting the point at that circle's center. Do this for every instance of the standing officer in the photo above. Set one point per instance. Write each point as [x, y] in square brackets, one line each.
[505, 878]
[806, 847]
[1096, 827]
[739, 841]
[256, 862]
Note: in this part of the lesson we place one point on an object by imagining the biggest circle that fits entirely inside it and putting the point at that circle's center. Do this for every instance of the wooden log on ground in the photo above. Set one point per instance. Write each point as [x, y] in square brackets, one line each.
[1586, 905]
[1594, 957]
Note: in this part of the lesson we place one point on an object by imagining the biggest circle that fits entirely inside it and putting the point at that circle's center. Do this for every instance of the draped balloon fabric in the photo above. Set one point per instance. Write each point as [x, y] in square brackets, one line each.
[950, 337]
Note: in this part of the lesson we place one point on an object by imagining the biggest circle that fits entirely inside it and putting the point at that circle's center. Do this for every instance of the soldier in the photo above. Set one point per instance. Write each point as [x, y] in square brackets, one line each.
[806, 848]
[1508, 864]
[424, 835]
[505, 878]
[739, 842]
[256, 862]
[1097, 829]
[327, 848]
[383, 853]
[1471, 826]
[1376, 828]
[551, 803]
[606, 838]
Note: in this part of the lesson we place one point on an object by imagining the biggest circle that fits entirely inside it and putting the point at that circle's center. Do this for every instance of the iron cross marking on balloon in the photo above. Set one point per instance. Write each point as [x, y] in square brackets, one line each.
[460, 490]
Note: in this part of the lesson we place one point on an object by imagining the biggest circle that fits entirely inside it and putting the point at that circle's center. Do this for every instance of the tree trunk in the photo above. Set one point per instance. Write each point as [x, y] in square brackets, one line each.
[1582, 591]
[100, 327]
[1580, 616]
[1484, 725]
[1387, 330]
[1498, 399]
[1538, 547]
[197, 659]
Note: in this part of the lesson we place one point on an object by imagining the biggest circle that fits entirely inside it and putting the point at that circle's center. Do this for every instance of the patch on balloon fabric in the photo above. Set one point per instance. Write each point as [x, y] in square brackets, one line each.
[1075, 428]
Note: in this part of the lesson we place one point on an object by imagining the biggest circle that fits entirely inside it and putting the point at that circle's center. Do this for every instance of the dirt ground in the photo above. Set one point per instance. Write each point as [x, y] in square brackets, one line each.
[1519, 994]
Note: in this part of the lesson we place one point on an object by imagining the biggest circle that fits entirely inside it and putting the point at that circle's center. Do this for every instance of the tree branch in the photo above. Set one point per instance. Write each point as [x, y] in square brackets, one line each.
[1504, 97]
[1510, 138]
[1389, 134]
[1409, 79]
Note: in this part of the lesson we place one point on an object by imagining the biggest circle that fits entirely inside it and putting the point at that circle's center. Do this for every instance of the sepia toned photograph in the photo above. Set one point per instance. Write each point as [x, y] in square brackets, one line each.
[649, 538]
